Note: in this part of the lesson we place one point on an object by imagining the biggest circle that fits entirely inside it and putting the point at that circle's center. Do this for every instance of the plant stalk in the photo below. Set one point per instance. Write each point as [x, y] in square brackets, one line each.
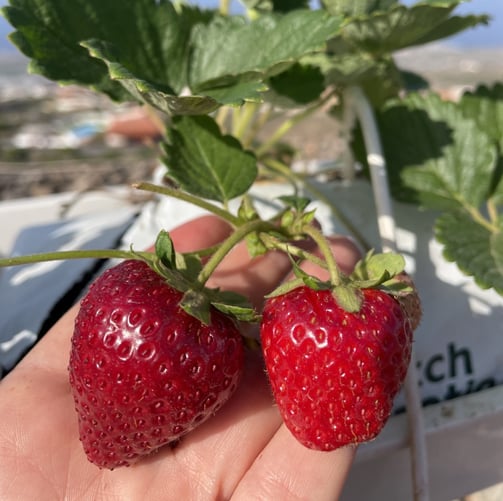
[323, 245]
[229, 243]
[77, 254]
[293, 250]
[288, 124]
[187, 197]
[243, 120]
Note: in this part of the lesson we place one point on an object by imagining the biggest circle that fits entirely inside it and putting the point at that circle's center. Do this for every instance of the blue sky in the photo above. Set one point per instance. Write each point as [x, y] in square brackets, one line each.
[483, 36]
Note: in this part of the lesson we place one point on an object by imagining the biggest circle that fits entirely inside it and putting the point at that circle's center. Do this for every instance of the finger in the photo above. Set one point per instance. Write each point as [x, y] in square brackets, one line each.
[287, 470]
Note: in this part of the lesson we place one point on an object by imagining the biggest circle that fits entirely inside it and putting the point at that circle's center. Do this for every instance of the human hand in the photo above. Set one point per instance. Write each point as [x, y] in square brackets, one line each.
[243, 452]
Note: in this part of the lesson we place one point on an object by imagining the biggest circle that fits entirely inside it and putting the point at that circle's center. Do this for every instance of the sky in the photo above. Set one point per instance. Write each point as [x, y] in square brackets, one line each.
[483, 36]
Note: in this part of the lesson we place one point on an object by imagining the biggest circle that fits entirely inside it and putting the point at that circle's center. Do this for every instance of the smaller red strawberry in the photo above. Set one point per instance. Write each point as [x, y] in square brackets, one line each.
[143, 372]
[334, 373]
[409, 300]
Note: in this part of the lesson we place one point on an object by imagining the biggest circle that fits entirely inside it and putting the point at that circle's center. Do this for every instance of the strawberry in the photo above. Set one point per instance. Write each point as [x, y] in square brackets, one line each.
[334, 374]
[143, 372]
[410, 300]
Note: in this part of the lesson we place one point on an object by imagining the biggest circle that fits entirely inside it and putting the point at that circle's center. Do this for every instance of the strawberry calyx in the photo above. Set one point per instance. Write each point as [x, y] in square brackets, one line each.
[381, 271]
[186, 273]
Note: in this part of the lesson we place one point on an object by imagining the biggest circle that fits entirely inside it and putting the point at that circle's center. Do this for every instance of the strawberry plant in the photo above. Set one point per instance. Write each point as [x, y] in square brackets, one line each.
[214, 80]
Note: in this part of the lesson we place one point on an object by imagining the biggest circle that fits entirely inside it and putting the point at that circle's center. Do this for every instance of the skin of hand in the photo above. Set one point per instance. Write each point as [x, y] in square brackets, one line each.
[243, 453]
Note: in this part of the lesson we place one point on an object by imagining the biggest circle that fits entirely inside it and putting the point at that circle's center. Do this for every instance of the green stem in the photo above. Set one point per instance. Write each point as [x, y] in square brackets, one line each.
[480, 219]
[273, 243]
[187, 197]
[243, 119]
[318, 194]
[256, 126]
[221, 117]
[77, 254]
[492, 211]
[287, 125]
[227, 245]
[323, 245]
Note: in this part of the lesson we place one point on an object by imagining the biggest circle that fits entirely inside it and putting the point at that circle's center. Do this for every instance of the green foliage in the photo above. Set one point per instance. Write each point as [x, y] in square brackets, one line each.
[476, 249]
[354, 8]
[206, 163]
[275, 5]
[446, 156]
[208, 73]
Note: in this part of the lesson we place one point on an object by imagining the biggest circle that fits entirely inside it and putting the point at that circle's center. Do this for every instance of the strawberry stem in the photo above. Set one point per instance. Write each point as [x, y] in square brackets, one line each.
[187, 197]
[322, 242]
[274, 243]
[77, 254]
[227, 245]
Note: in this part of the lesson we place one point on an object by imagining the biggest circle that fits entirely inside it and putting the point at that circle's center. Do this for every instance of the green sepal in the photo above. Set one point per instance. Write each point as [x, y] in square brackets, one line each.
[183, 268]
[165, 250]
[349, 298]
[376, 269]
[285, 288]
[197, 304]
[234, 304]
[397, 287]
[295, 202]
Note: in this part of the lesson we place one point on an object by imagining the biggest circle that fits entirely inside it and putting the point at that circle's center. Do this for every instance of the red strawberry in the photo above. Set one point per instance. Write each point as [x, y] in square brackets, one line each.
[143, 372]
[334, 374]
[410, 301]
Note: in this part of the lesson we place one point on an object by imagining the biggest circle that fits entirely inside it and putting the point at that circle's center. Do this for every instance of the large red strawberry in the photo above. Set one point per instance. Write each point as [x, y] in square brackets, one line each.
[144, 372]
[334, 374]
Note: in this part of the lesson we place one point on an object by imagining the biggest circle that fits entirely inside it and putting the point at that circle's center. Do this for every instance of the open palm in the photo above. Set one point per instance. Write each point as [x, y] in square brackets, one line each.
[244, 452]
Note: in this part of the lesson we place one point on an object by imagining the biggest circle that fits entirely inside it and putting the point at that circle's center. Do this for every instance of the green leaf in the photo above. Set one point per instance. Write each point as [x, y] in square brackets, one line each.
[275, 5]
[158, 96]
[463, 174]
[379, 77]
[353, 8]
[206, 163]
[434, 154]
[298, 203]
[413, 81]
[230, 50]
[151, 40]
[477, 251]
[300, 84]
[237, 93]
[383, 32]
[348, 68]
[485, 106]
